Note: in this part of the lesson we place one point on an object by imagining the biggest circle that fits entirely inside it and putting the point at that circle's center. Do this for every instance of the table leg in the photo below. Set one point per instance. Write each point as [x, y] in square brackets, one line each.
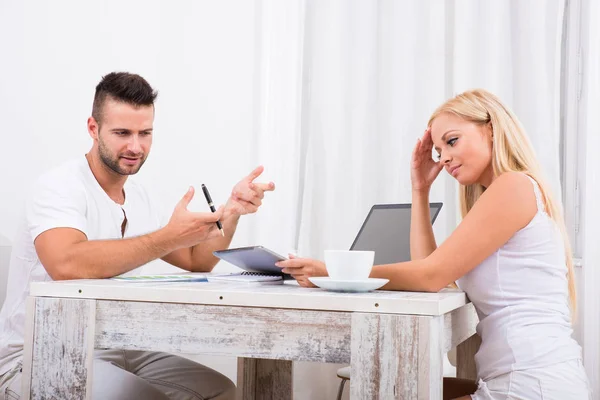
[260, 379]
[465, 358]
[396, 357]
[59, 348]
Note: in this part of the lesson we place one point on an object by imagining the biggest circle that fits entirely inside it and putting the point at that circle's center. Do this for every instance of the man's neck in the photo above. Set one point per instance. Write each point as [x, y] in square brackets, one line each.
[111, 182]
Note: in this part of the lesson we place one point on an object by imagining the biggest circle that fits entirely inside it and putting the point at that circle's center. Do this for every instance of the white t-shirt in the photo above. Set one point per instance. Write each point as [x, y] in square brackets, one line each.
[70, 197]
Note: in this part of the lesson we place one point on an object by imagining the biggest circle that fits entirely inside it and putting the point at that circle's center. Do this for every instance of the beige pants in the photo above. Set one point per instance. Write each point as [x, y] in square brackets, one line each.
[125, 375]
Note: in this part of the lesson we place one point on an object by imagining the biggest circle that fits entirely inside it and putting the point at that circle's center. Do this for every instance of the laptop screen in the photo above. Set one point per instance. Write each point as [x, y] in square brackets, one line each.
[386, 231]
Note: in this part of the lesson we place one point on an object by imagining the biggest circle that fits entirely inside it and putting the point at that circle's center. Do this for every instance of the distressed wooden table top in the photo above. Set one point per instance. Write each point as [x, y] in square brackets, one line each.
[267, 296]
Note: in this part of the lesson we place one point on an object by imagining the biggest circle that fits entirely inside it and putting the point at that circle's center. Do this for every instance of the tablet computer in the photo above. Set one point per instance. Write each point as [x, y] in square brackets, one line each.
[256, 259]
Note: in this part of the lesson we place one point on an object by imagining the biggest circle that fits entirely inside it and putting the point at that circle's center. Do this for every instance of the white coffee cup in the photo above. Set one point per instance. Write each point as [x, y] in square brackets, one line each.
[349, 265]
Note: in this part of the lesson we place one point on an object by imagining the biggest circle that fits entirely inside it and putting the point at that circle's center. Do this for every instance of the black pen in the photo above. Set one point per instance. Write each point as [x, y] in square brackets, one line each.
[212, 207]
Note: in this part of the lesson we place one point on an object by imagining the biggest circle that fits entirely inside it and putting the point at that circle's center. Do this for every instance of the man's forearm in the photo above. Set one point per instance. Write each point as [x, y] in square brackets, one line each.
[107, 258]
[203, 259]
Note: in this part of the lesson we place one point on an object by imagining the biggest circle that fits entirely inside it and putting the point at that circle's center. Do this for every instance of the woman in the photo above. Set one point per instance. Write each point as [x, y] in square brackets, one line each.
[510, 253]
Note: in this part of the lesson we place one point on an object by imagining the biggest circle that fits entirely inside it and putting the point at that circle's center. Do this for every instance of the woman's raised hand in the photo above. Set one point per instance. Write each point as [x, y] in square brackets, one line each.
[423, 168]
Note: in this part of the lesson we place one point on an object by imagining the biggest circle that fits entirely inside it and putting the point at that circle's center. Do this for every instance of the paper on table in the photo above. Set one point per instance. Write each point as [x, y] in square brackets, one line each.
[191, 277]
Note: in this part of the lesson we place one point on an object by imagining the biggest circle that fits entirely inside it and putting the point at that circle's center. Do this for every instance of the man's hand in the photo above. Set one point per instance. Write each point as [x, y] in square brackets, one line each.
[246, 196]
[302, 268]
[190, 228]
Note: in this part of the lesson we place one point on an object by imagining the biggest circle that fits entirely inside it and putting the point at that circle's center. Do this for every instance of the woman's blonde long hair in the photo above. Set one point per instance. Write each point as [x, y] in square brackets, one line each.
[511, 151]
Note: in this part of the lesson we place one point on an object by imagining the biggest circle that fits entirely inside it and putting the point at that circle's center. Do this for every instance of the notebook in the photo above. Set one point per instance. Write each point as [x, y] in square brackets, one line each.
[258, 264]
[248, 277]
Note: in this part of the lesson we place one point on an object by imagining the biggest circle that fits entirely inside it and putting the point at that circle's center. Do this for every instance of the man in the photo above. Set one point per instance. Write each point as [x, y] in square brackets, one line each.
[86, 219]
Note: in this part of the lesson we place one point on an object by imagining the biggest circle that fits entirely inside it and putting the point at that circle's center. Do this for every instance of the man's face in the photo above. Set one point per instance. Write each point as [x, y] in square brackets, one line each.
[125, 136]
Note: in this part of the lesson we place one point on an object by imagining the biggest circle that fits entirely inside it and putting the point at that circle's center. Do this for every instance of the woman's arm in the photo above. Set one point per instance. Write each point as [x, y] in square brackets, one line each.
[422, 240]
[423, 172]
[507, 206]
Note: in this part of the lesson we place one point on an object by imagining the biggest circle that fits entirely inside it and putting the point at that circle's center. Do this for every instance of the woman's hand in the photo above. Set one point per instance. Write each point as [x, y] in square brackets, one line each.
[303, 268]
[423, 168]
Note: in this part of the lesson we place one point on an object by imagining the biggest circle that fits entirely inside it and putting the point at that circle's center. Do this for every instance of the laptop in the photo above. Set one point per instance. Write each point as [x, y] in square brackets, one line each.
[386, 230]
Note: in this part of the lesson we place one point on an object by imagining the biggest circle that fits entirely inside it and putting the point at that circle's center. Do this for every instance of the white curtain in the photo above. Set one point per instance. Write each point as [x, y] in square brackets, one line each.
[589, 298]
[346, 88]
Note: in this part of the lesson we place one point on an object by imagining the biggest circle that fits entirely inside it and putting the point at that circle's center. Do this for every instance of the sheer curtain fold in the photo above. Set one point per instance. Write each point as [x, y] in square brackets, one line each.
[278, 97]
[514, 50]
[372, 86]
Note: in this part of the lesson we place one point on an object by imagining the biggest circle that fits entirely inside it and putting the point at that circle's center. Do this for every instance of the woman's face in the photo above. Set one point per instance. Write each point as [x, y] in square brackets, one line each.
[464, 149]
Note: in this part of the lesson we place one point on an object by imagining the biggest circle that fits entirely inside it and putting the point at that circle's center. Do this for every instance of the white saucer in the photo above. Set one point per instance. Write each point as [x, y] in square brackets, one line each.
[337, 285]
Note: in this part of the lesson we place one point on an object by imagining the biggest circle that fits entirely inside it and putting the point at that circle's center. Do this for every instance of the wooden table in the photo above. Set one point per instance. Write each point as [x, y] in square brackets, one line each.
[394, 341]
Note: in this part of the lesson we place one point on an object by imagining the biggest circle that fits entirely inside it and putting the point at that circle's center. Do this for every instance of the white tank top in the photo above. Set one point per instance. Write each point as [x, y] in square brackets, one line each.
[521, 296]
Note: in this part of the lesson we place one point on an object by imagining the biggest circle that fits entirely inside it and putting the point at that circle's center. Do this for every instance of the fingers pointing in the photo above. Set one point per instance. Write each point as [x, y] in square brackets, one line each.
[265, 187]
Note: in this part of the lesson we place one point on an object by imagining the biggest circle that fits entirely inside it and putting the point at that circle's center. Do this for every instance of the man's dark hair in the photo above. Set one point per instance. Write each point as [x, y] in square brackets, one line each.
[125, 87]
